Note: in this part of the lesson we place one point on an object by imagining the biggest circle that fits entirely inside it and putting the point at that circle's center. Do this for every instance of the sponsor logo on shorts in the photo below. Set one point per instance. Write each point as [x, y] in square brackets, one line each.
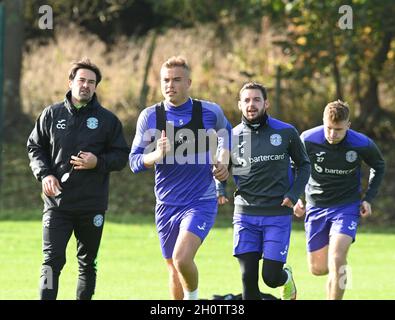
[285, 251]
[202, 227]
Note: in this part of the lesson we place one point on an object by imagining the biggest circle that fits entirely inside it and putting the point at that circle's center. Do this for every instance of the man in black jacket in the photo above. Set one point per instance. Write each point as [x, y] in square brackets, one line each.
[73, 147]
[267, 189]
[335, 200]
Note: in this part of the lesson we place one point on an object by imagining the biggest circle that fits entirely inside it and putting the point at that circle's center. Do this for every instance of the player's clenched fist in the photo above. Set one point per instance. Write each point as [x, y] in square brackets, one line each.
[163, 145]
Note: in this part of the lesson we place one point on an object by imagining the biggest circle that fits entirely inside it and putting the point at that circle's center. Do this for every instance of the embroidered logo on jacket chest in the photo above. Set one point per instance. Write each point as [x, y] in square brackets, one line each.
[92, 123]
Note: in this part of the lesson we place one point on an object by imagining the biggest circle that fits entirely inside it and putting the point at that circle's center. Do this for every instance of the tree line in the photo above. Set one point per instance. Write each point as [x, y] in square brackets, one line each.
[360, 60]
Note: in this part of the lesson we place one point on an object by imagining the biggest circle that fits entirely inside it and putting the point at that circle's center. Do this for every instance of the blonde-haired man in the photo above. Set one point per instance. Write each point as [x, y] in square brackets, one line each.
[171, 136]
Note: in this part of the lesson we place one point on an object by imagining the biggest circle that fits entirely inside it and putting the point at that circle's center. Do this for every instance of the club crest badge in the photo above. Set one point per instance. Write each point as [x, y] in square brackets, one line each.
[92, 123]
[275, 140]
[98, 220]
[351, 156]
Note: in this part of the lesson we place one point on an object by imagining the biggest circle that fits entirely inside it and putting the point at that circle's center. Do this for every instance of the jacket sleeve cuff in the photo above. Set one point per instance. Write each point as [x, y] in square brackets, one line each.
[292, 197]
[44, 174]
[100, 164]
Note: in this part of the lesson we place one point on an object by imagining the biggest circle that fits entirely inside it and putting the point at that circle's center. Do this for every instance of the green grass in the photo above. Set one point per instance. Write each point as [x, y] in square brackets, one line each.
[131, 266]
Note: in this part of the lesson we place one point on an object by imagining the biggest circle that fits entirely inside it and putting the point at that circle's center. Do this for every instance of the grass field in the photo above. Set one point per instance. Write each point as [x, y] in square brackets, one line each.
[131, 267]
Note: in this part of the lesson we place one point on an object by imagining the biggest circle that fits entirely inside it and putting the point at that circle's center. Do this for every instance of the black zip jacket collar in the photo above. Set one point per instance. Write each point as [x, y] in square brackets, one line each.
[91, 105]
[260, 122]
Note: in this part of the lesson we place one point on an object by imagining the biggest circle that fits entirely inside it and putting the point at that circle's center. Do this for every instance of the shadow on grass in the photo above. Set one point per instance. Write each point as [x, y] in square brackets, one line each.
[224, 220]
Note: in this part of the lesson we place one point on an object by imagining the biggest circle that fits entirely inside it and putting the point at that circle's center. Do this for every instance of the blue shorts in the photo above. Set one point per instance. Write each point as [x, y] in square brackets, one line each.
[197, 217]
[321, 223]
[267, 235]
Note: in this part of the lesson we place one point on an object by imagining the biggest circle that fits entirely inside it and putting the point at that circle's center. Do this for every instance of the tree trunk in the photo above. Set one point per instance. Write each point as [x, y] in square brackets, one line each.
[370, 110]
[335, 67]
[14, 34]
[144, 87]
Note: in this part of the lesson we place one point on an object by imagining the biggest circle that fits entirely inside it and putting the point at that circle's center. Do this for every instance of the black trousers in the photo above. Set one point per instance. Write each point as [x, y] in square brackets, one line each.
[57, 229]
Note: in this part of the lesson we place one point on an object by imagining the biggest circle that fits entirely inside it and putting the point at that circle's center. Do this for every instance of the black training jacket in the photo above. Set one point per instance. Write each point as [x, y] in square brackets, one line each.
[270, 163]
[62, 131]
[336, 175]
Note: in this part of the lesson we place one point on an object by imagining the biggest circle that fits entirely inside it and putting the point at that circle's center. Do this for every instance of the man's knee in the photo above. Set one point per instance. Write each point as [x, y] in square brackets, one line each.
[318, 270]
[318, 262]
[85, 268]
[53, 263]
[337, 263]
[181, 262]
[273, 279]
[173, 273]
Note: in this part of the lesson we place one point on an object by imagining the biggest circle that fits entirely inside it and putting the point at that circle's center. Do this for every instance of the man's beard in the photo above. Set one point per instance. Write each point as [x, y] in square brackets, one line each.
[259, 116]
[84, 97]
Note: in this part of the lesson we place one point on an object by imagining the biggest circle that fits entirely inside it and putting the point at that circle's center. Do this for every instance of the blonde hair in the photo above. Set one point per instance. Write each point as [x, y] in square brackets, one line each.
[337, 111]
[176, 61]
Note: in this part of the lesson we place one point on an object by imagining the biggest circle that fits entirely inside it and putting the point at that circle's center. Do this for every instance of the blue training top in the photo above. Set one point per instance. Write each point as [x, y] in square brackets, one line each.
[179, 183]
